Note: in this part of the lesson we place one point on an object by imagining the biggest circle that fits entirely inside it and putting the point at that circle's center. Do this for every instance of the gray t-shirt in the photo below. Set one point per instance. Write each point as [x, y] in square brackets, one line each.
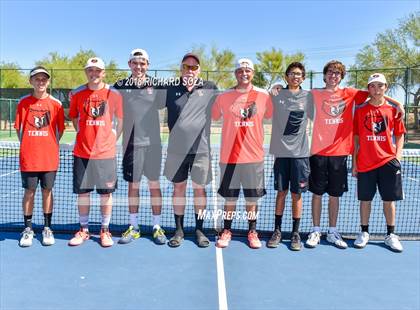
[291, 125]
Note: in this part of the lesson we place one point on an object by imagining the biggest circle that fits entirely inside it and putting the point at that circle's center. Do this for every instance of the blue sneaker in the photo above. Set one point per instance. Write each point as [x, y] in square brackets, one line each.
[159, 235]
[129, 235]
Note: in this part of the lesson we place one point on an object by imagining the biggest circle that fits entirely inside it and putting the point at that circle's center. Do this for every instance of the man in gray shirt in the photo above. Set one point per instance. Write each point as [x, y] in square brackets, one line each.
[292, 109]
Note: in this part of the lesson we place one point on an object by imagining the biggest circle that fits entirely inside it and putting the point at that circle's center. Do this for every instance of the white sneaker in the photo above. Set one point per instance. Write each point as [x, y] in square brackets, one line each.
[314, 239]
[362, 240]
[27, 237]
[335, 238]
[47, 236]
[393, 242]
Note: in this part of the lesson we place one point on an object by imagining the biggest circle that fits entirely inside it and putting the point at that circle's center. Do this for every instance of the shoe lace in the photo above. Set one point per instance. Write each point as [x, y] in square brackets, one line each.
[127, 232]
[159, 232]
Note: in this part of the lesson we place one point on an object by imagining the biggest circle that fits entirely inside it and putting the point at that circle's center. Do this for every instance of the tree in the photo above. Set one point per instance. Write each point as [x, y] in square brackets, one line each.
[393, 48]
[67, 72]
[11, 76]
[271, 66]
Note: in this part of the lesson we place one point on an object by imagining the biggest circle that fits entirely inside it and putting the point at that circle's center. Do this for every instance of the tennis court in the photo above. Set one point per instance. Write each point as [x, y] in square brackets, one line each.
[142, 275]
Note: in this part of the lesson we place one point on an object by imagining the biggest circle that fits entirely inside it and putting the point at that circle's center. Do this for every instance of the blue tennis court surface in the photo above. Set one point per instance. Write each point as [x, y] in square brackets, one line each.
[142, 275]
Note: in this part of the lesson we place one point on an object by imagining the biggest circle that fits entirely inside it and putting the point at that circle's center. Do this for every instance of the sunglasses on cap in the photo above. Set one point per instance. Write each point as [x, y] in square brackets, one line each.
[188, 67]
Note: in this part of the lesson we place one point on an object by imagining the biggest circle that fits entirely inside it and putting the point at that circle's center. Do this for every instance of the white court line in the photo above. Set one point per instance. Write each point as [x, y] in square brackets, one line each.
[221, 285]
[412, 179]
[221, 280]
[6, 174]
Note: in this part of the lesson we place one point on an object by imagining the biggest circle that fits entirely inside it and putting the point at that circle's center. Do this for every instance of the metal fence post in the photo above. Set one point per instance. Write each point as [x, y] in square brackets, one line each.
[311, 76]
[10, 118]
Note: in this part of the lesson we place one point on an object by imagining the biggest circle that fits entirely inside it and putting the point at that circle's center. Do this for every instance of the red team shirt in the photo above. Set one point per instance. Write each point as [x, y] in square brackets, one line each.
[40, 123]
[333, 123]
[95, 110]
[375, 127]
[243, 130]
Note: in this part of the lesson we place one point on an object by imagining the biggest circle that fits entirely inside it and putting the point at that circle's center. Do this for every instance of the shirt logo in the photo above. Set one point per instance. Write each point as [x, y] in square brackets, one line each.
[40, 118]
[334, 106]
[149, 90]
[94, 107]
[244, 111]
[375, 123]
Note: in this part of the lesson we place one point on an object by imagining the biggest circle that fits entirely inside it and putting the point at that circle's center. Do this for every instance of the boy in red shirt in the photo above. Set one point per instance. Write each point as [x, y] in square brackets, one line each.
[39, 125]
[93, 108]
[376, 160]
[243, 109]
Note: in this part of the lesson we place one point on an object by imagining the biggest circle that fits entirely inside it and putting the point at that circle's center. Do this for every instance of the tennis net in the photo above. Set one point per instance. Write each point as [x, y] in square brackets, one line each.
[65, 215]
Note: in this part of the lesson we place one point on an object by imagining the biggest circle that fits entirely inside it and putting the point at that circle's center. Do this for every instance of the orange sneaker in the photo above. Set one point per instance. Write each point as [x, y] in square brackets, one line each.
[254, 241]
[106, 238]
[81, 236]
[224, 239]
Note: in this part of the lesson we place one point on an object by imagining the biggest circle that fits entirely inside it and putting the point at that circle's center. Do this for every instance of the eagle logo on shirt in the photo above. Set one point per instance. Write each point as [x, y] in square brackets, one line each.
[334, 106]
[40, 118]
[94, 108]
[244, 112]
[375, 123]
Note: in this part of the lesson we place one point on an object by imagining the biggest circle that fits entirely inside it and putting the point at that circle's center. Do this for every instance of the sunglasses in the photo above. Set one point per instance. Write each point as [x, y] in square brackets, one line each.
[192, 68]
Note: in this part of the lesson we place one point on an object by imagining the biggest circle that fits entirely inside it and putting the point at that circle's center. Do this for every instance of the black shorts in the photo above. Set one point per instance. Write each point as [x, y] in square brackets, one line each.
[177, 167]
[91, 173]
[293, 171]
[328, 175]
[388, 179]
[249, 176]
[30, 179]
[142, 160]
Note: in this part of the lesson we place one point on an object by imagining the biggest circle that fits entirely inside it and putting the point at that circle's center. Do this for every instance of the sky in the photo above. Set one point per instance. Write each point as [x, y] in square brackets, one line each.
[322, 30]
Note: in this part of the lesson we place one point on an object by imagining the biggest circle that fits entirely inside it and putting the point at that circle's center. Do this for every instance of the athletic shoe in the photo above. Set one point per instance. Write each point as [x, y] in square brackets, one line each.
[224, 239]
[362, 240]
[81, 236]
[129, 235]
[159, 235]
[106, 238]
[254, 241]
[275, 239]
[295, 244]
[393, 242]
[335, 238]
[47, 236]
[314, 239]
[27, 237]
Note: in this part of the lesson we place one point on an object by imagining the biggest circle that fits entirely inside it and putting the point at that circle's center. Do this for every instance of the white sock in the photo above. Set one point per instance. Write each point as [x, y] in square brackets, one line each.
[332, 229]
[84, 220]
[105, 220]
[134, 220]
[317, 228]
[156, 220]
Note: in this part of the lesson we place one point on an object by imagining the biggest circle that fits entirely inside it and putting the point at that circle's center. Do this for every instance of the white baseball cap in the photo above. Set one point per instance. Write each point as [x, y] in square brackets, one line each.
[138, 53]
[95, 62]
[37, 70]
[377, 77]
[244, 63]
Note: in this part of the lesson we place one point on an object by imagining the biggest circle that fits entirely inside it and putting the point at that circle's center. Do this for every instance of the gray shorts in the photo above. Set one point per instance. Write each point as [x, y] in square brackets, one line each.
[177, 167]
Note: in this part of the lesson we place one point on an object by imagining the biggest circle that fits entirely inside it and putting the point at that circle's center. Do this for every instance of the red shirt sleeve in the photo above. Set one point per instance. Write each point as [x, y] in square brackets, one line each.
[18, 118]
[269, 108]
[73, 113]
[360, 96]
[356, 124]
[60, 119]
[216, 114]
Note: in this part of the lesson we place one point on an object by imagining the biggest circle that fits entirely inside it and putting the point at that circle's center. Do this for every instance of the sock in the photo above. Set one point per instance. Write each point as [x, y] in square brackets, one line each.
[134, 220]
[84, 220]
[317, 228]
[179, 222]
[28, 220]
[390, 229]
[156, 220]
[296, 223]
[228, 224]
[47, 219]
[105, 221]
[198, 222]
[252, 224]
[365, 228]
[332, 230]
[277, 222]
